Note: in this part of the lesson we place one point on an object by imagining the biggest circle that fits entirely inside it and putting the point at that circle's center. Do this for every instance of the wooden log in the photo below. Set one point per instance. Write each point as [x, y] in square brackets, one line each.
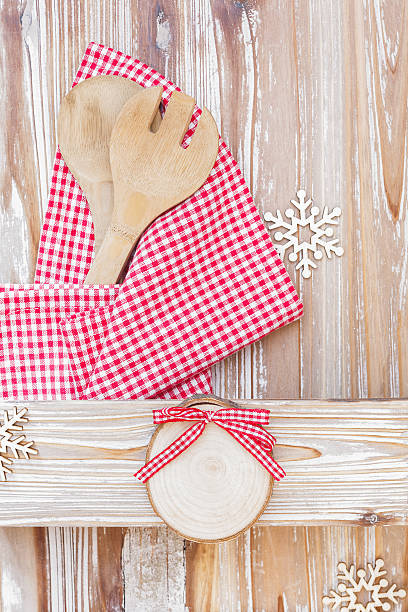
[346, 463]
[214, 491]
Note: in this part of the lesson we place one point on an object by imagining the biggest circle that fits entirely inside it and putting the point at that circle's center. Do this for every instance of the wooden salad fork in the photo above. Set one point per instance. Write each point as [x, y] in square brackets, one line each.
[151, 171]
[85, 122]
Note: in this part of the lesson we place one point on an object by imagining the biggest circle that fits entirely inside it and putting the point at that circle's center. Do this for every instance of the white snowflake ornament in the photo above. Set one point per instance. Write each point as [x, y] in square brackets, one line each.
[12, 443]
[319, 228]
[4, 469]
[376, 589]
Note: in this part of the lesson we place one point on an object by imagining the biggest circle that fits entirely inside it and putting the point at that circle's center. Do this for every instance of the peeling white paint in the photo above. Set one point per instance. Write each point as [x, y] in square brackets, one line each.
[163, 35]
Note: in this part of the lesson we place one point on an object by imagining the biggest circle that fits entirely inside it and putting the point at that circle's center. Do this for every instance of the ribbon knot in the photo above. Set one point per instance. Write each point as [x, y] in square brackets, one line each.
[245, 425]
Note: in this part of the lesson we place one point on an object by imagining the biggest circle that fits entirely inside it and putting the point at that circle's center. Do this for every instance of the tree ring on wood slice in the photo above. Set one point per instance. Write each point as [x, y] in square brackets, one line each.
[211, 492]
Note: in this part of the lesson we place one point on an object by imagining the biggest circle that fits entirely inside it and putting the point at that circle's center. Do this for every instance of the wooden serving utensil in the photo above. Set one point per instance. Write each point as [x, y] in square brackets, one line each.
[151, 171]
[85, 121]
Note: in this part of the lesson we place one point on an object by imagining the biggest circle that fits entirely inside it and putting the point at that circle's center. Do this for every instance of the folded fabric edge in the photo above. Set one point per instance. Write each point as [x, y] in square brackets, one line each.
[91, 392]
[92, 326]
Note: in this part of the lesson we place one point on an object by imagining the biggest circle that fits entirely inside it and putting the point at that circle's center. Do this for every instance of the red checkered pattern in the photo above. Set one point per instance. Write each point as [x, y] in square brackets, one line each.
[66, 245]
[244, 425]
[204, 282]
[84, 336]
[35, 361]
[34, 364]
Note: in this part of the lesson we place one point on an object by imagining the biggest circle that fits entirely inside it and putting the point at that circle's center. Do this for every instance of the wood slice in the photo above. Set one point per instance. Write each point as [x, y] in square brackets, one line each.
[213, 491]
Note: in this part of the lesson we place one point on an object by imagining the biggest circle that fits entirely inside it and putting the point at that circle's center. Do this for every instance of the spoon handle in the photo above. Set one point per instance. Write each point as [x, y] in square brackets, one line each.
[99, 196]
[112, 256]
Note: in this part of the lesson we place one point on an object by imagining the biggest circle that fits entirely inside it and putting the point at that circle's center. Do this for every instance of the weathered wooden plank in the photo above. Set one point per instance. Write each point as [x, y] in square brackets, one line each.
[376, 60]
[220, 575]
[305, 569]
[54, 569]
[250, 48]
[20, 219]
[24, 565]
[75, 581]
[341, 468]
[335, 87]
[328, 75]
[153, 570]
[42, 45]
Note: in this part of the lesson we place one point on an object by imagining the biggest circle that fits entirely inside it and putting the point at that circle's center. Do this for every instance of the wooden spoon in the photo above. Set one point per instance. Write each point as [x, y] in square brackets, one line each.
[86, 118]
[151, 171]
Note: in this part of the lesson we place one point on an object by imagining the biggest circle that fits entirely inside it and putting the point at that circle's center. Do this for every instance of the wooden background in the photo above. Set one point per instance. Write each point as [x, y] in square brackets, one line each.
[308, 94]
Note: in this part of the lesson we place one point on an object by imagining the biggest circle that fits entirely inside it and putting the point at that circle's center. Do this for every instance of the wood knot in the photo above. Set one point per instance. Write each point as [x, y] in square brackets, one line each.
[376, 518]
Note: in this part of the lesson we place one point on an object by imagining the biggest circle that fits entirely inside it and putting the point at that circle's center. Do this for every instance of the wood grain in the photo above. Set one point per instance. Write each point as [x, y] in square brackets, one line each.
[341, 469]
[307, 94]
[308, 128]
[153, 570]
[20, 189]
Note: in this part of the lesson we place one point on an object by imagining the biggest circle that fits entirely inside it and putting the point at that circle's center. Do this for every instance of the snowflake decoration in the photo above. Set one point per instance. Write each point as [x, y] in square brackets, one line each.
[12, 443]
[303, 250]
[376, 588]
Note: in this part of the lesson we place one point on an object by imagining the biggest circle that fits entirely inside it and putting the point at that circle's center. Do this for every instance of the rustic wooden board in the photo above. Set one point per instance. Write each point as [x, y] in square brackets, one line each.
[307, 94]
[340, 468]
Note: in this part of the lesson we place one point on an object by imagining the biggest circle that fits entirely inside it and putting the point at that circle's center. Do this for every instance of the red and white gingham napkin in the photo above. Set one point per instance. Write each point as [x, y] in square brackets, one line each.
[204, 282]
[34, 363]
[34, 360]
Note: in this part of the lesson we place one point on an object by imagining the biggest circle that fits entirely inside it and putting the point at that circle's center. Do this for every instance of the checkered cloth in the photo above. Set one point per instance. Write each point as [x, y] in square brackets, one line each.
[204, 282]
[34, 363]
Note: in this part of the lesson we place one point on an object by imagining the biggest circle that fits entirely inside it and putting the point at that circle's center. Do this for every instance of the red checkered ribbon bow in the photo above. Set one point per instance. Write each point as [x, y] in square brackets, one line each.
[242, 424]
